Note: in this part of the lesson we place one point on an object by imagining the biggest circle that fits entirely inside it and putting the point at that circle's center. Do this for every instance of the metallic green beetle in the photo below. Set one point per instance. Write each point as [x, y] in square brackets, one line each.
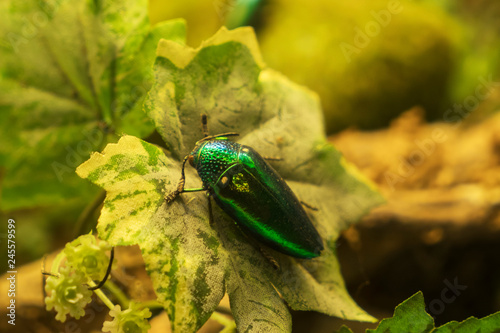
[252, 193]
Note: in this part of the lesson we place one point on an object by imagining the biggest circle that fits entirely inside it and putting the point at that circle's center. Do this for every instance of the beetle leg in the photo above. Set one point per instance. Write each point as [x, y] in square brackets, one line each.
[270, 258]
[180, 186]
[305, 204]
[267, 158]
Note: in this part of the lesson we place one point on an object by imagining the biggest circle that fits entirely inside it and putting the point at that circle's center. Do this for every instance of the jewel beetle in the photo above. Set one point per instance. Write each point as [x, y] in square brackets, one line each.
[252, 193]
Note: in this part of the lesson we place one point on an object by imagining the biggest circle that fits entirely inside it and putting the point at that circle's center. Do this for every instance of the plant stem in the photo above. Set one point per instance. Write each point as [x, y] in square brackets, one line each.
[57, 262]
[118, 293]
[86, 214]
[153, 304]
[229, 324]
[101, 295]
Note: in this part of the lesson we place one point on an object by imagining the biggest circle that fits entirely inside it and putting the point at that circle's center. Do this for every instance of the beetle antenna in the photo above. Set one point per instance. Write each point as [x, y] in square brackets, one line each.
[204, 128]
[204, 125]
[211, 137]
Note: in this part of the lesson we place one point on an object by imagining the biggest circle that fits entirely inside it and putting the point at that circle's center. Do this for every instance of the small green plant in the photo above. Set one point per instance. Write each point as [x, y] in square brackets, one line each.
[68, 293]
[410, 317]
[73, 272]
[131, 320]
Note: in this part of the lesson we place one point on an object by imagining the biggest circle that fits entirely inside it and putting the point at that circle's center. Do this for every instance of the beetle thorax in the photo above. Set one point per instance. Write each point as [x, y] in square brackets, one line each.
[212, 158]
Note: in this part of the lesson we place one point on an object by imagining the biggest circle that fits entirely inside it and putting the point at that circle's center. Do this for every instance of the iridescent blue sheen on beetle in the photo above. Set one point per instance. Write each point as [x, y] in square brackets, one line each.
[252, 193]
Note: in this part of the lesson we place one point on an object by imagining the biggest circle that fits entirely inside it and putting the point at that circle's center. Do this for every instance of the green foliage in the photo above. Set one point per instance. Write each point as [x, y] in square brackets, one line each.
[68, 287]
[72, 74]
[192, 263]
[131, 320]
[480, 50]
[68, 293]
[86, 256]
[489, 324]
[410, 317]
[67, 290]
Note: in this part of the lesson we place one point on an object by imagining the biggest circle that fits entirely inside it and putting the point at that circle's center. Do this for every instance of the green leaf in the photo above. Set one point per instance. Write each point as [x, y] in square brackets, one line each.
[489, 324]
[182, 252]
[226, 79]
[409, 316]
[255, 303]
[190, 262]
[344, 329]
[72, 73]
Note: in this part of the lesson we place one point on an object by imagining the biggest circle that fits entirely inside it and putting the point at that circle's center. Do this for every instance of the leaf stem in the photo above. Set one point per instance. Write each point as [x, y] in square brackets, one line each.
[118, 293]
[229, 324]
[152, 304]
[101, 295]
[87, 212]
[57, 262]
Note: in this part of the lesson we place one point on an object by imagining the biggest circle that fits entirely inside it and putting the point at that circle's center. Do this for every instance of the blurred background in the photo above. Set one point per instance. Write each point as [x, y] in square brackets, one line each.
[368, 60]
[411, 94]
